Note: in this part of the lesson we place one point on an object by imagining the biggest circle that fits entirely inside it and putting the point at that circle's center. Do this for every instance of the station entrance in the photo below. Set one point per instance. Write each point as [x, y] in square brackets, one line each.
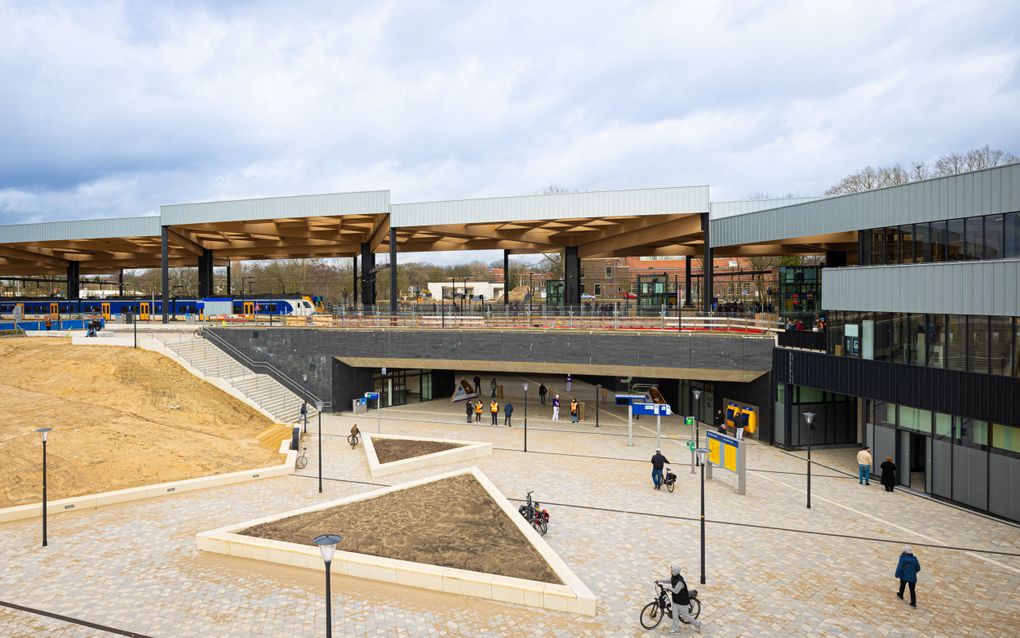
[400, 387]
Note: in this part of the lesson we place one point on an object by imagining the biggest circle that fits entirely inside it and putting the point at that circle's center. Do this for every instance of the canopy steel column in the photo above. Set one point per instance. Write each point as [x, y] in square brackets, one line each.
[354, 262]
[205, 273]
[571, 277]
[367, 275]
[687, 282]
[164, 257]
[708, 264]
[393, 269]
[506, 277]
[73, 286]
[228, 277]
[120, 282]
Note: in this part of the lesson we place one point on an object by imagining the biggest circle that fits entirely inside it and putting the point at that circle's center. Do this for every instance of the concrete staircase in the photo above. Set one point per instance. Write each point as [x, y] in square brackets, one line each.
[261, 389]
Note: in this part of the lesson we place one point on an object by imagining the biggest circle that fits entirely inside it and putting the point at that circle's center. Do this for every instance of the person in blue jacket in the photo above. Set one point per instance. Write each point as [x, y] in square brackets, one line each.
[906, 571]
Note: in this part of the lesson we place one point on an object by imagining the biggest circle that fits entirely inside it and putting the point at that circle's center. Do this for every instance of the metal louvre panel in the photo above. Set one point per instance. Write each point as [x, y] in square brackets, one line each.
[81, 229]
[648, 201]
[980, 396]
[994, 190]
[364, 203]
[954, 288]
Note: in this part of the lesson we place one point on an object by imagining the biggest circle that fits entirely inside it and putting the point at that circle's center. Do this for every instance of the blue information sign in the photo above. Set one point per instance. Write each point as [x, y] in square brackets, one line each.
[651, 409]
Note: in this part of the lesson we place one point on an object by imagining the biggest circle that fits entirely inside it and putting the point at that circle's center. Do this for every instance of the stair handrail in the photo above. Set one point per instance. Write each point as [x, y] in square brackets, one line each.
[279, 375]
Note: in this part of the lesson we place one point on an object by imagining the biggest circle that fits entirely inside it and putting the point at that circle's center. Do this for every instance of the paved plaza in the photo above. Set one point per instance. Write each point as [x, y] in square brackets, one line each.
[774, 568]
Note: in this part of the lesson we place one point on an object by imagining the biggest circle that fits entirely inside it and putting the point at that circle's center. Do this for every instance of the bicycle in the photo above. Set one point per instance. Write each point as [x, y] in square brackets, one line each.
[662, 606]
[352, 438]
[302, 461]
[670, 480]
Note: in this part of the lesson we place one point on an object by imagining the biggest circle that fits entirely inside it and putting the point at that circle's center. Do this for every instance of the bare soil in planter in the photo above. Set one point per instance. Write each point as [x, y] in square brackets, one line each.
[389, 450]
[452, 522]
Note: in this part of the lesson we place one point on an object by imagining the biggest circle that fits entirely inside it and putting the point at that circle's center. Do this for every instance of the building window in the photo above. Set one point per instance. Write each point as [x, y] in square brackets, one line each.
[609, 272]
[915, 419]
[977, 350]
[1000, 338]
[972, 433]
[1005, 437]
[956, 343]
[994, 227]
[598, 289]
[1011, 235]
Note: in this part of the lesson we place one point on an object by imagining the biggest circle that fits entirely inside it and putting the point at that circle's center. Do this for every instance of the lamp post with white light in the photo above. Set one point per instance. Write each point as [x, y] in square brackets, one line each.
[810, 418]
[525, 417]
[43, 432]
[318, 406]
[327, 545]
[697, 428]
[702, 453]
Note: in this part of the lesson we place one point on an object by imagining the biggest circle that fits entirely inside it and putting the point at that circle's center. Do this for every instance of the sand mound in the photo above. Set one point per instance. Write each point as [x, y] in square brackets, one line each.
[121, 418]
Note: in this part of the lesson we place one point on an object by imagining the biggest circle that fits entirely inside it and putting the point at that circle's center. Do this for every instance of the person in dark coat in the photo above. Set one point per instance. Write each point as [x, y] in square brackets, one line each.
[888, 474]
[658, 460]
[469, 408]
[906, 571]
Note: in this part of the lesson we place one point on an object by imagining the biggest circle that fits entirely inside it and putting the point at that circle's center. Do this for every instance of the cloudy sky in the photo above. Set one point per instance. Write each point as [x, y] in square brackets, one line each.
[113, 108]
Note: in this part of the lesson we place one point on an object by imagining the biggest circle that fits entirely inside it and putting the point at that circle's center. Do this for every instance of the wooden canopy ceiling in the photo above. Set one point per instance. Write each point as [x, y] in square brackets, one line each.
[342, 236]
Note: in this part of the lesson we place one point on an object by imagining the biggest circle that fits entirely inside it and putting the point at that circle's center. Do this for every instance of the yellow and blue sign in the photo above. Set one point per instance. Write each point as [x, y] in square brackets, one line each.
[728, 453]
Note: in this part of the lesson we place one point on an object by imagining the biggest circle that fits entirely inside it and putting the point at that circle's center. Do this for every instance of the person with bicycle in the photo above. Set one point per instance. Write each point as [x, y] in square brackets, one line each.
[681, 598]
[658, 461]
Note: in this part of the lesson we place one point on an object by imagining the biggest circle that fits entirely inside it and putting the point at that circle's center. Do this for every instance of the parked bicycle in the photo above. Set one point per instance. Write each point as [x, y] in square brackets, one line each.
[537, 517]
[662, 607]
[353, 439]
[302, 461]
[670, 479]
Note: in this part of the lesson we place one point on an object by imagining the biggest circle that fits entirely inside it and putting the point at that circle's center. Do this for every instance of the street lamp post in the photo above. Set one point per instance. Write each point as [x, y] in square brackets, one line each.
[598, 390]
[702, 453]
[525, 417]
[327, 545]
[809, 417]
[318, 406]
[43, 432]
[697, 424]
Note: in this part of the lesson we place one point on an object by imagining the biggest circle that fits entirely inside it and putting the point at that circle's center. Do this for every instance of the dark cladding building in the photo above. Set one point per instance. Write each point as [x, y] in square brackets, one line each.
[921, 356]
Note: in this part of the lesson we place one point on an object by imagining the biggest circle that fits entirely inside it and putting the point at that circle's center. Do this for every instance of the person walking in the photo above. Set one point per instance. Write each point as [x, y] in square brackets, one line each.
[469, 408]
[508, 411]
[864, 467]
[575, 417]
[906, 571]
[658, 461]
[542, 391]
[494, 410]
[478, 385]
[478, 411]
[570, 382]
[493, 385]
[681, 598]
[888, 474]
[556, 408]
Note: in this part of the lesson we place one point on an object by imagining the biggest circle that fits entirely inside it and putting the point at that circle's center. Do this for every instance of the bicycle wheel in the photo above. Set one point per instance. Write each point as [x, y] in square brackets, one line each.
[669, 486]
[540, 526]
[651, 615]
[694, 609]
[302, 462]
[352, 440]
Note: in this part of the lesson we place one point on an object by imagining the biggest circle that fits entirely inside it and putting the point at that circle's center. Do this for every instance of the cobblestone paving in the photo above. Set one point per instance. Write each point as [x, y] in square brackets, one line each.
[774, 568]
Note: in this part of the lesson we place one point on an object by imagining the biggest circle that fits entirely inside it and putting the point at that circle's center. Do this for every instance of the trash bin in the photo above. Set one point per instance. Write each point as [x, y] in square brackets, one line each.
[359, 406]
[129, 317]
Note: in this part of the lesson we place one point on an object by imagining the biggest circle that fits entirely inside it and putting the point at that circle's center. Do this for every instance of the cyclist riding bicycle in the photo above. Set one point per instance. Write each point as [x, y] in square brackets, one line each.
[681, 600]
[355, 431]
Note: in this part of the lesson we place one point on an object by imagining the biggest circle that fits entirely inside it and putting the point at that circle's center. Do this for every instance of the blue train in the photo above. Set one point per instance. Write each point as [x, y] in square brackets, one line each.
[210, 306]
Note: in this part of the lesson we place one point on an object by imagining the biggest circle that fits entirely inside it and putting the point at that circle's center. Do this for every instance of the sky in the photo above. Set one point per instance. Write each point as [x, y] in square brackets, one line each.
[110, 109]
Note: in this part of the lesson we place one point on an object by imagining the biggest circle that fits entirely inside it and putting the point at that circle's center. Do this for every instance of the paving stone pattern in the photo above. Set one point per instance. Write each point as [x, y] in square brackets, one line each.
[774, 568]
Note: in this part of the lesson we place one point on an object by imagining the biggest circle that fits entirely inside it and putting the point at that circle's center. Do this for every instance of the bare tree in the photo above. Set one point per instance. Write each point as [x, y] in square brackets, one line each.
[870, 178]
[553, 188]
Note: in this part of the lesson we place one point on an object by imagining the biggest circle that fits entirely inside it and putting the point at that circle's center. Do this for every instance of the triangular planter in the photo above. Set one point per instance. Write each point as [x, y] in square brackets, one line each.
[570, 596]
[467, 450]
